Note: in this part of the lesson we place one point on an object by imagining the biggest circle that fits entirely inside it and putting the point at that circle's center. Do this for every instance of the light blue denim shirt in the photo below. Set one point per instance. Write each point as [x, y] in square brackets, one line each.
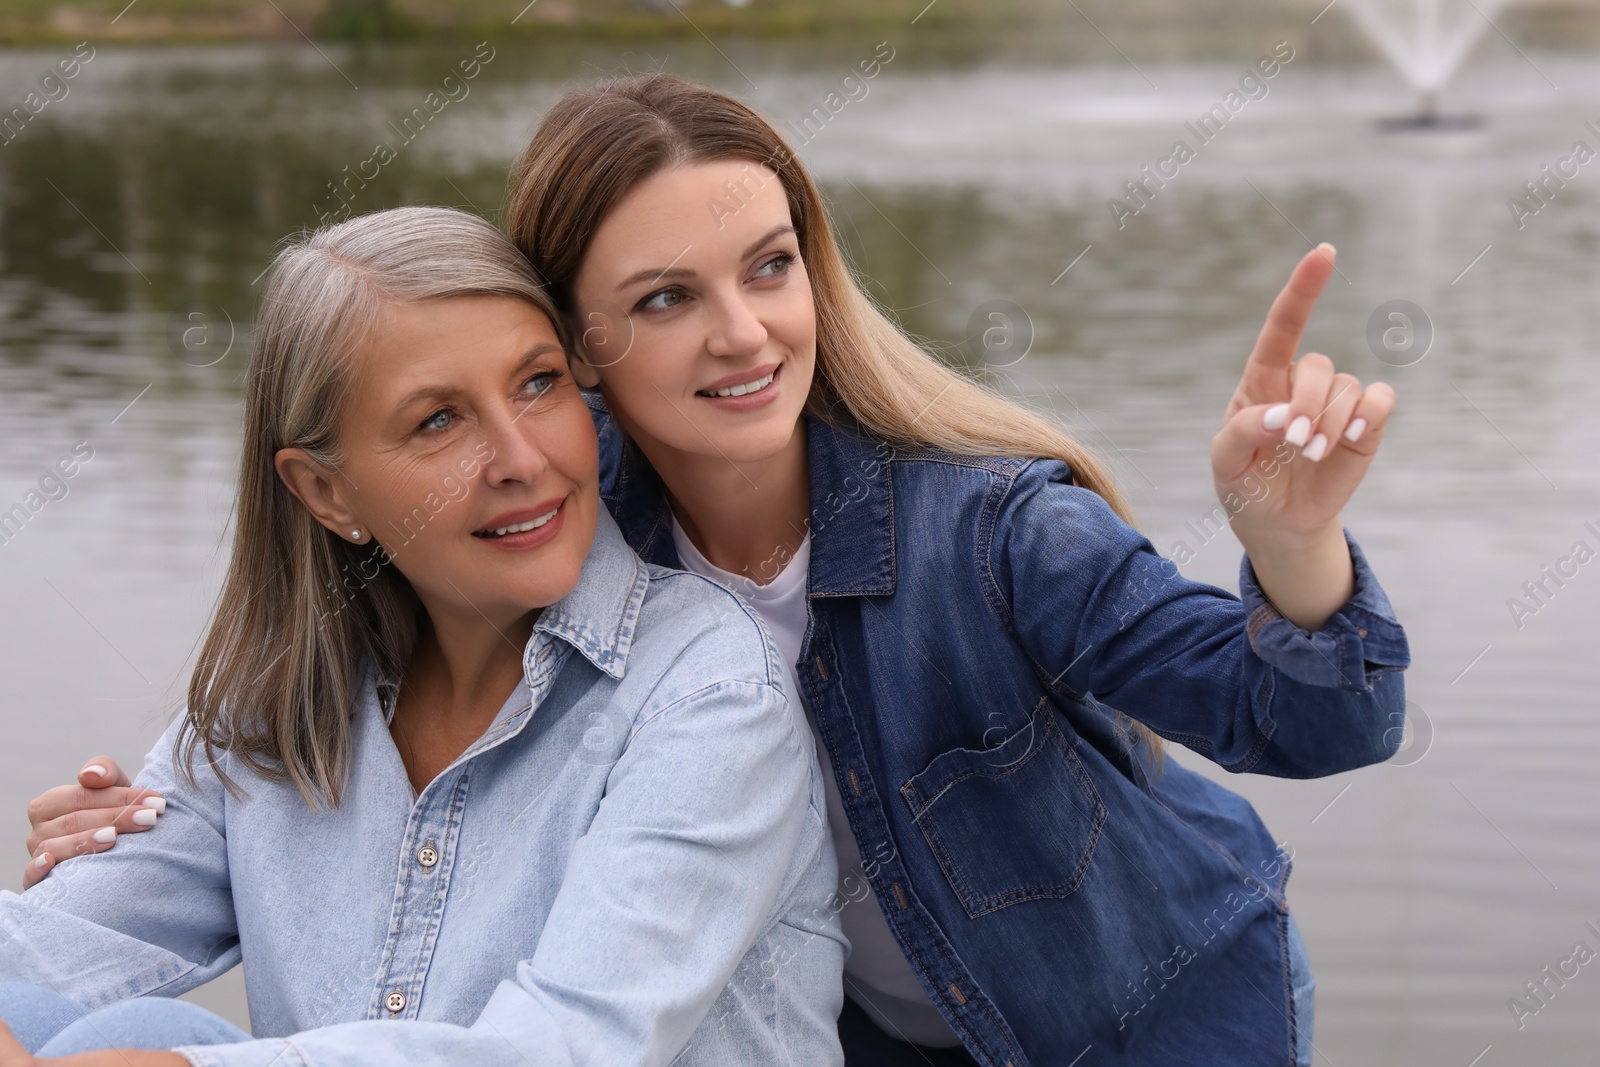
[630, 866]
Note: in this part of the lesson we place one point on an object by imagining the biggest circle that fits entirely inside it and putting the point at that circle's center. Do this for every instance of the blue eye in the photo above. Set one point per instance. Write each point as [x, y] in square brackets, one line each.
[432, 421]
[543, 382]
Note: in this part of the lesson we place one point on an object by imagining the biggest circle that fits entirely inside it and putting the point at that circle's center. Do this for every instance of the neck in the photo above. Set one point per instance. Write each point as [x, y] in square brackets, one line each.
[748, 519]
[463, 662]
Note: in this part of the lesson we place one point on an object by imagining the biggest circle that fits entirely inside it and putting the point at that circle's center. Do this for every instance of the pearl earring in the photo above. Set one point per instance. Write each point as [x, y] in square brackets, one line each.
[356, 534]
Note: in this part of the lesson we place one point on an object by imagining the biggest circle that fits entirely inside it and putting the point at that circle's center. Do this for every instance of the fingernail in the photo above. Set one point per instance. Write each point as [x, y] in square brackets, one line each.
[41, 859]
[106, 834]
[1331, 250]
[1299, 430]
[1318, 446]
[1354, 430]
[95, 768]
[1275, 417]
[158, 803]
[145, 817]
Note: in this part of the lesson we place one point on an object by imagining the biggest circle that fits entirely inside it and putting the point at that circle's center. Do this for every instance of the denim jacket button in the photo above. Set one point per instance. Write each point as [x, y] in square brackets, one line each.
[395, 1002]
[427, 856]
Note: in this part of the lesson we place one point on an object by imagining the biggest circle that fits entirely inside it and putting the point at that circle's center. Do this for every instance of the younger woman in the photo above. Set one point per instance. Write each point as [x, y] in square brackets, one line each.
[461, 779]
[968, 609]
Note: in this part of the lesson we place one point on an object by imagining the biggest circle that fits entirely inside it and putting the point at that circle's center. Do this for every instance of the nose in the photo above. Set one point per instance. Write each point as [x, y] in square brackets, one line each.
[516, 456]
[735, 329]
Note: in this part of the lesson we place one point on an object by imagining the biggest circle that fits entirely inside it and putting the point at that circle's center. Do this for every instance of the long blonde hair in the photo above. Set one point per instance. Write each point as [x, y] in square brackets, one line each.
[301, 607]
[600, 141]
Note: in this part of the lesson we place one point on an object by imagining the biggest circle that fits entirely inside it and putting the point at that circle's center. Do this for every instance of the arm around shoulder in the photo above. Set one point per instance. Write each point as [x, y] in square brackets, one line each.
[152, 916]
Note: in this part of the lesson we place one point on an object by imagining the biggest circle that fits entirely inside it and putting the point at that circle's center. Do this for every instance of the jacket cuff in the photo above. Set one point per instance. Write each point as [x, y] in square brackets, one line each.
[1358, 643]
[268, 1052]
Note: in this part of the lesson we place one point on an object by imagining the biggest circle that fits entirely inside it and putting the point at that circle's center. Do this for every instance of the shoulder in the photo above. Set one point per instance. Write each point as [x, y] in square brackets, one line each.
[181, 768]
[1046, 488]
[703, 666]
[926, 458]
[701, 633]
[841, 453]
[1003, 491]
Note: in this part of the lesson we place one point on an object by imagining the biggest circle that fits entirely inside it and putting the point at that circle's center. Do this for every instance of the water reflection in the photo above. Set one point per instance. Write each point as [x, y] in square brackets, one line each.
[1427, 893]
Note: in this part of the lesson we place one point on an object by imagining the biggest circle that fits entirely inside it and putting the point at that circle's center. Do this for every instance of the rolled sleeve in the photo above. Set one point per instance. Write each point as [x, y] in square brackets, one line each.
[1353, 648]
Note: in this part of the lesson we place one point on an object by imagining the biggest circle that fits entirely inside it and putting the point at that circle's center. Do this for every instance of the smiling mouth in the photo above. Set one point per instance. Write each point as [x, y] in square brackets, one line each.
[521, 527]
[742, 389]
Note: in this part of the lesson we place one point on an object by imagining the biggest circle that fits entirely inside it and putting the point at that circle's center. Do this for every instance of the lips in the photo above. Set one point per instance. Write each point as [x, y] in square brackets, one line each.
[752, 381]
[516, 522]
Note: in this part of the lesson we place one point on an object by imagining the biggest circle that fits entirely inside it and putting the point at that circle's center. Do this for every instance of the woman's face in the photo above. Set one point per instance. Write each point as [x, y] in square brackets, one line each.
[695, 314]
[464, 421]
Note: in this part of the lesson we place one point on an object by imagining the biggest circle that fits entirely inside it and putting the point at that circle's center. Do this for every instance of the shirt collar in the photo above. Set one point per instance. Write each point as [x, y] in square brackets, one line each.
[852, 511]
[597, 618]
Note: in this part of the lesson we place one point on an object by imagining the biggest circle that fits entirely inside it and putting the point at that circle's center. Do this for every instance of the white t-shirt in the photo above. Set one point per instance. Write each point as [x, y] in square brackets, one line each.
[878, 976]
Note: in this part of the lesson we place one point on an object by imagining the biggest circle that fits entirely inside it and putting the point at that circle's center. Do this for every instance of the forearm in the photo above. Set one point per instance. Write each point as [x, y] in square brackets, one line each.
[1306, 579]
[152, 916]
[118, 1057]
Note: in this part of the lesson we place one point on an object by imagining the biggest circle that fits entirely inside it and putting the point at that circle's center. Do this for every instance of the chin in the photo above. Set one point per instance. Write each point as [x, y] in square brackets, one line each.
[539, 595]
[763, 440]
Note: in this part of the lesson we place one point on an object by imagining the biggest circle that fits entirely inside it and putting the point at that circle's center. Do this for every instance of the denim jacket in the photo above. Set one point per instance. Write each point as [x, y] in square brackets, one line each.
[973, 623]
[633, 858]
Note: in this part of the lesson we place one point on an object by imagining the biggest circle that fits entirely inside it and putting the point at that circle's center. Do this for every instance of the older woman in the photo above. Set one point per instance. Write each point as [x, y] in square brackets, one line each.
[453, 755]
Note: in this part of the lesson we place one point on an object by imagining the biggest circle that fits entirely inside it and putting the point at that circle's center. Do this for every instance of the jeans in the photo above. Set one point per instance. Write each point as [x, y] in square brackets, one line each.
[48, 1024]
[1302, 987]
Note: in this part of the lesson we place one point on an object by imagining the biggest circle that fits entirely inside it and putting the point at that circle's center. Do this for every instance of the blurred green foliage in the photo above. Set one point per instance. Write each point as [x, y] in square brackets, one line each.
[1176, 27]
[365, 20]
[371, 20]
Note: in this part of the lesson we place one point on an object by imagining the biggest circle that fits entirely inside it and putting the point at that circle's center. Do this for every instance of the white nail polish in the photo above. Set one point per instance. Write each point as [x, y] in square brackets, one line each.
[145, 817]
[1317, 448]
[41, 859]
[95, 768]
[106, 834]
[157, 803]
[1299, 430]
[1354, 430]
[1275, 417]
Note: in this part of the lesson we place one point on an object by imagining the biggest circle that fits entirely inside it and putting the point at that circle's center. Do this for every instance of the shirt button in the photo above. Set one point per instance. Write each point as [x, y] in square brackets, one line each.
[427, 856]
[395, 1002]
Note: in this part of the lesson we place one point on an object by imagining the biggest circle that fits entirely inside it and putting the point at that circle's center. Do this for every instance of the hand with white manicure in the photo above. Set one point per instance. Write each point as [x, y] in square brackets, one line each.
[1293, 532]
[71, 820]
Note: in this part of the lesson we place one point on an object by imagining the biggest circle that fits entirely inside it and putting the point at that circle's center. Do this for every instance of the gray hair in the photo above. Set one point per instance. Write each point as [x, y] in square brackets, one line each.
[301, 608]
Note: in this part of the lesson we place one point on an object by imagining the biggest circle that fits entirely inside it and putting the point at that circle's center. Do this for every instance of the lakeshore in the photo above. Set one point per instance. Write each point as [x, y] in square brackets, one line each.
[1176, 29]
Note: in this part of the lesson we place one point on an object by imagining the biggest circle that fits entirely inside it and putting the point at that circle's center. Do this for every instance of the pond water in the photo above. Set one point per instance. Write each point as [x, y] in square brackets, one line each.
[144, 204]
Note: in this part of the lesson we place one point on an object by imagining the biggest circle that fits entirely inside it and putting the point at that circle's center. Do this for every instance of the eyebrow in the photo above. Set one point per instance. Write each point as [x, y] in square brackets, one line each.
[439, 392]
[657, 273]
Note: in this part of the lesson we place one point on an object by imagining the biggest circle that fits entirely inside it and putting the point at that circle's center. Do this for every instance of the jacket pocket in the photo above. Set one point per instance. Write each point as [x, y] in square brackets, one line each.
[1011, 823]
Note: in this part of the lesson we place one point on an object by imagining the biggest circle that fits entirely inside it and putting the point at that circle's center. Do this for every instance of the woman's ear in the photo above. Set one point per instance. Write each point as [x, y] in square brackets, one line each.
[582, 373]
[318, 489]
[602, 336]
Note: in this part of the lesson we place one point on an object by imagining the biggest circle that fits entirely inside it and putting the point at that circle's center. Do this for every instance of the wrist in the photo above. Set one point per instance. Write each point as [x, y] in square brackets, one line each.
[119, 1058]
[1305, 578]
[1284, 550]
